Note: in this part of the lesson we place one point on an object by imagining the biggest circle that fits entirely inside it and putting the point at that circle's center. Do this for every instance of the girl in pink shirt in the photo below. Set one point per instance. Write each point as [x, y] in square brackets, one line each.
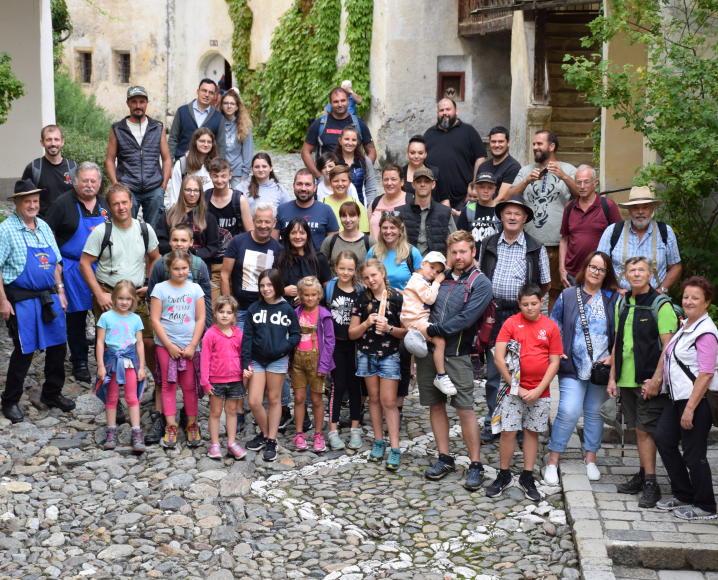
[221, 375]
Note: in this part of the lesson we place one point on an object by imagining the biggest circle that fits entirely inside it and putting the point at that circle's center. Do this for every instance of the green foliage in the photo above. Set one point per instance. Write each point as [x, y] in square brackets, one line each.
[242, 18]
[672, 102]
[84, 122]
[61, 28]
[10, 87]
[359, 26]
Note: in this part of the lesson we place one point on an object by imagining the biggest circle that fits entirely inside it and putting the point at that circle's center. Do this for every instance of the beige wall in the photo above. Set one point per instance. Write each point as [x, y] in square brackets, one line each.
[266, 17]
[26, 35]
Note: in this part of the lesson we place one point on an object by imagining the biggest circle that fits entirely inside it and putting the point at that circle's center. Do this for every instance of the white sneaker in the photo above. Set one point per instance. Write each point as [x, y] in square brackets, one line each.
[444, 384]
[592, 472]
[550, 475]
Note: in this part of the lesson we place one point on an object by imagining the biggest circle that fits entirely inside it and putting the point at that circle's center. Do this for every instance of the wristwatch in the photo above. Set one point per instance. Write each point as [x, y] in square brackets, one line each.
[663, 289]
[59, 286]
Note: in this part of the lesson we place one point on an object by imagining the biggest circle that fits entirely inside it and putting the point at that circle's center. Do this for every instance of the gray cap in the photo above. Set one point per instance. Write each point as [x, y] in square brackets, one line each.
[137, 91]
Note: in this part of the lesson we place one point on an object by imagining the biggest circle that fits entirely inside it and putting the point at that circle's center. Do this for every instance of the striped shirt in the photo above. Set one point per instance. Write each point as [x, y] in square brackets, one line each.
[15, 237]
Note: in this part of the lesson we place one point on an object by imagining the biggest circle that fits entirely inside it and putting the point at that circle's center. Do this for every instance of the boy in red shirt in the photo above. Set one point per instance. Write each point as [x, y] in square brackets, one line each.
[527, 409]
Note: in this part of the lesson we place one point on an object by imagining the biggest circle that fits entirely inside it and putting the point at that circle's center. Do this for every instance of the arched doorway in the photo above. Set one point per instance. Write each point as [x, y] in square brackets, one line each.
[214, 66]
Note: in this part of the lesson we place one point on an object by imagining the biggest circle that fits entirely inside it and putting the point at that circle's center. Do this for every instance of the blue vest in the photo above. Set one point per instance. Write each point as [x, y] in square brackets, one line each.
[138, 166]
[189, 126]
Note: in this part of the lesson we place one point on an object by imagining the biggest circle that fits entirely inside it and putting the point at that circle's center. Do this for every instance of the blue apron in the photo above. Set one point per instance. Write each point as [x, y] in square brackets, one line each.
[79, 296]
[38, 274]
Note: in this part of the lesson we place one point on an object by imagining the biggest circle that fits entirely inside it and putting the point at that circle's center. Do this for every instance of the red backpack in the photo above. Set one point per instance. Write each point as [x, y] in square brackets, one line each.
[485, 324]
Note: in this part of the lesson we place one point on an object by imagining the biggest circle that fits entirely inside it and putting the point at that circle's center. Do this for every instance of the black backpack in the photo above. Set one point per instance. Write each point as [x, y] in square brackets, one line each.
[107, 243]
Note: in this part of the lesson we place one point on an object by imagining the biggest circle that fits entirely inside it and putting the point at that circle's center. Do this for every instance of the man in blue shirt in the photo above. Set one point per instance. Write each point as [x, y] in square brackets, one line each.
[320, 217]
[192, 116]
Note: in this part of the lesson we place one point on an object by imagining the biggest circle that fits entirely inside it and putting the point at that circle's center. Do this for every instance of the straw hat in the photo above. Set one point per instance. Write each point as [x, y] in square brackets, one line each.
[639, 196]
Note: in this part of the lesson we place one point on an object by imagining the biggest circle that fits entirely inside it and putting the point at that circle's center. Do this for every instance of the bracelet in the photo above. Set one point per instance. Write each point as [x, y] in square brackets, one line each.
[390, 330]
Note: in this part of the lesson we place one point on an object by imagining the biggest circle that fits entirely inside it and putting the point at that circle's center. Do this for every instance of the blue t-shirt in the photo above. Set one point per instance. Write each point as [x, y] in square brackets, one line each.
[120, 331]
[178, 310]
[319, 216]
[398, 274]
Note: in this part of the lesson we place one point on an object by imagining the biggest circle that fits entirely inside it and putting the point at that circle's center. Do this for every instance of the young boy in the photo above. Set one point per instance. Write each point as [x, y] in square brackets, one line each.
[527, 404]
[419, 294]
[478, 217]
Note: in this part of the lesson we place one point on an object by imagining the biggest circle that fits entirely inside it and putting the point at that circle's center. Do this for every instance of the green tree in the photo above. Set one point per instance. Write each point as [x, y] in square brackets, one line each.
[672, 102]
[10, 87]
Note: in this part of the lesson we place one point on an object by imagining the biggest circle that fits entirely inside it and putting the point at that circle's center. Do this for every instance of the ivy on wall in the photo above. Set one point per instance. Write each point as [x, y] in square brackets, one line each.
[292, 88]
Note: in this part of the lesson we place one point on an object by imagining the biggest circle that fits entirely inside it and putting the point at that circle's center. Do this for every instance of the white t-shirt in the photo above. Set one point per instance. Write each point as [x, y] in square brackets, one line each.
[178, 316]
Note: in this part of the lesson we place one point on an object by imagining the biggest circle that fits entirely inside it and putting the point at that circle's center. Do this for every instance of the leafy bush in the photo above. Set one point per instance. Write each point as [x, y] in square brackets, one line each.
[10, 87]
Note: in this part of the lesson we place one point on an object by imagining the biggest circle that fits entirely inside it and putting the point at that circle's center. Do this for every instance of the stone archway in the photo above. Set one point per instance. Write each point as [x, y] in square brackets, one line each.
[215, 66]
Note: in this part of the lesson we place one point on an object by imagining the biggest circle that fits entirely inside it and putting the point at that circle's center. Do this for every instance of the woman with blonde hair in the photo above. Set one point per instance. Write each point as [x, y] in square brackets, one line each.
[393, 250]
[234, 137]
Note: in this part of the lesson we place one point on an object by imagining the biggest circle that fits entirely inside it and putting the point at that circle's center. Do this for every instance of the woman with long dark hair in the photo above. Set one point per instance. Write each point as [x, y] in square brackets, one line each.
[263, 184]
[202, 149]
[361, 170]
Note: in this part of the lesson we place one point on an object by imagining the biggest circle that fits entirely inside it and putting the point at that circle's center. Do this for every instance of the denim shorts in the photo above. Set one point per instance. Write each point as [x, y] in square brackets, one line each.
[279, 366]
[233, 390]
[388, 367]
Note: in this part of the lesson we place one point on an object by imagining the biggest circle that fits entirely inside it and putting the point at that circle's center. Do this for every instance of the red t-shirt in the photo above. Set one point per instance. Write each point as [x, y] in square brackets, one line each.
[538, 340]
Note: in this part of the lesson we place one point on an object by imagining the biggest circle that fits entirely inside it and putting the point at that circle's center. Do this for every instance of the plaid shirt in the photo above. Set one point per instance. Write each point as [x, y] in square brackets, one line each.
[15, 237]
[510, 272]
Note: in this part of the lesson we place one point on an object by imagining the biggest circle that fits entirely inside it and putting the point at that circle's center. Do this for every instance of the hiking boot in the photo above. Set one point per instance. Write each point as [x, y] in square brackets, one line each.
[377, 450]
[356, 437]
[236, 451]
[693, 512]
[138, 442]
[194, 436]
[335, 442]
[670, 503]
[633, 485]
[319, 445]
[257, 443]
[300, 442]
[475, 476]
[527, 483]
[110, 438]
[81, 372]
[443, 467]
[157, 428]
[444, 384]
[285, 420]
[214, 451]
[393, 459]
[169, 441]
[502, 481]
[487, 436]
[270, 450]
[651, 494]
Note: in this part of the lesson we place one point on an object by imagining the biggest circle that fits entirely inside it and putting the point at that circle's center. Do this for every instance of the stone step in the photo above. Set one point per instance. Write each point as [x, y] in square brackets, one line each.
[567, 98]
[576, 143]
[565, 128]
[583, 114]
[575, 158]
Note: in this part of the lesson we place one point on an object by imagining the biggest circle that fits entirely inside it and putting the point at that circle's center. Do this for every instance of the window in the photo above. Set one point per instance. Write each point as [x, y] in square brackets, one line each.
[123, 67]
[84, 67]
[451, 85]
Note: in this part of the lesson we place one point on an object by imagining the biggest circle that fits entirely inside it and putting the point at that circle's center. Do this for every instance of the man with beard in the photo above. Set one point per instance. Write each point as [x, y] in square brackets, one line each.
[502, 166]
[547, 185]
[138, 145]
[643, 236]
[51, 173]
[456, 149]
[320, 217]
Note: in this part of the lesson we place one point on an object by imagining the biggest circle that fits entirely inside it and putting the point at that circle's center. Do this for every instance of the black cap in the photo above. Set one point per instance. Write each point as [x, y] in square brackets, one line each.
[485, 177]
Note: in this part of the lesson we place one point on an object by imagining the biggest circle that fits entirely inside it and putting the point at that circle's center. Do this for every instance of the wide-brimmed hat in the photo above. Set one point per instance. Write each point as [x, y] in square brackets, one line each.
[639, 196]
[24, 187]
[517, 199]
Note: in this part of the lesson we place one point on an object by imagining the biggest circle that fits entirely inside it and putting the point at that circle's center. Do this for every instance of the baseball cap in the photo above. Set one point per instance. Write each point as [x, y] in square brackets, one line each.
[434, 257]
[137, 91]
[485, 177]
[424, 172]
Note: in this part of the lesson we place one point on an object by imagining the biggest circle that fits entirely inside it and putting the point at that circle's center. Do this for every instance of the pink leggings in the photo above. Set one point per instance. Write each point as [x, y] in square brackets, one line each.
[169, 390]
[113, 390]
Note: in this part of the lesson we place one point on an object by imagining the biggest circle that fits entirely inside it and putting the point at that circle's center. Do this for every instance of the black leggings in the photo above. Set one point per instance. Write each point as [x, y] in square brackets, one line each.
[345, 380]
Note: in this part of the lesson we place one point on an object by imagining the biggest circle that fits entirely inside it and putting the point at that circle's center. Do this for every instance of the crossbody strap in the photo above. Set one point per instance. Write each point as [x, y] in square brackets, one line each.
[584, 323]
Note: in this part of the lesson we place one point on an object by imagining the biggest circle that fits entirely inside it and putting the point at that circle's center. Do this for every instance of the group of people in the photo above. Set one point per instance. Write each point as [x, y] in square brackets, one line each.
[342, 291]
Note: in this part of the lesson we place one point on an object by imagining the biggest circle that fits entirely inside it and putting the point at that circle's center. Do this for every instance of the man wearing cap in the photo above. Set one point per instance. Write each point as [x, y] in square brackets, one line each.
[479, 217]
[547, 186]
[510, 260]
[585, 218]
[427, 222]
[31, 291]
[72, 217]
[192, 116]
[503, 167]
[643, 236]
[138, 156]
[52, 172]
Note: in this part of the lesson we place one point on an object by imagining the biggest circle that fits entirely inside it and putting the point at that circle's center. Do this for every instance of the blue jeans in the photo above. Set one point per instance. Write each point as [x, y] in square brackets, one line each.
[576, 396]
[241, 315]
[151, 203]
[493, 378]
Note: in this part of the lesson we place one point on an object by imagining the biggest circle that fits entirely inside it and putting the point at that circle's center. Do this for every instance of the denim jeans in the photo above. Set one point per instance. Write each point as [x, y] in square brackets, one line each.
[576, 396]
[151, 203]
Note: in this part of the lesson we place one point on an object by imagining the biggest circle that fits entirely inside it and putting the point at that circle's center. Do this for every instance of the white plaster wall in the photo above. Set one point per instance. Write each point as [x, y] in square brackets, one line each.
[521, 83]
[26, 35]
[266, 15]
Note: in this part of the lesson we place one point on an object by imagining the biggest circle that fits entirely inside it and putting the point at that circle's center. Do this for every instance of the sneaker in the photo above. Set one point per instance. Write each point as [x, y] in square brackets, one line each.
[285, 420]
[550, 474]
[415, 343]
[670, 503]
[502, 481]
[138, 442]
[215, 451]
[300, 442]
[393, 459]
[356, 437]
[308, 423]
[377, 450]
[693, 512]
[194, 436]
[319, 445]
[335, 442]
[240, 422]
[487, 436]
[270, 450]
[633, 485]
[443, 467]
[592, 472]
[651, 494]
[475, 476]
[110, 438]
[257, 443]
[529, 486]
[236, 450]
[169, 441]
[444, 384]
[157, 428]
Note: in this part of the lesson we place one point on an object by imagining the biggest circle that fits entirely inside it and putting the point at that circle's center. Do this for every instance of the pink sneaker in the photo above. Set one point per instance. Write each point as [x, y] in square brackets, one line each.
[319, 444]
[300, 442]
[236, 450]
[215, 451]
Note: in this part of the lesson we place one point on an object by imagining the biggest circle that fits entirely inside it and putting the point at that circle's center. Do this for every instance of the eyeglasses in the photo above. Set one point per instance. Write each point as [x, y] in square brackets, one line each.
[596, 269]
[192, 191]
[584, 181]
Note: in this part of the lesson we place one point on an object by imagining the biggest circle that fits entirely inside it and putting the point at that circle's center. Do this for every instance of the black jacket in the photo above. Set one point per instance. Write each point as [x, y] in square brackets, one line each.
[270, 332]
[138, 166]
[437, 224]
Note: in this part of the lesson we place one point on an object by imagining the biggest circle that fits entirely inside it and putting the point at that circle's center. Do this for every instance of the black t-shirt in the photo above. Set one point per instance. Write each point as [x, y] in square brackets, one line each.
[504, 172]
[64, 218]
[332, 131]
[482, 226]
[341, 308]
[251, 259]
[439, 194]
[54, 181]
[380, 345]
[302, 267]
[229, 225]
